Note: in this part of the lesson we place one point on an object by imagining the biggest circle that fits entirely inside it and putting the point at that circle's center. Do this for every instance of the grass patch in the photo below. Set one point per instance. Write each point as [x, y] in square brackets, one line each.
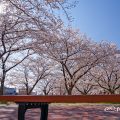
[3, 102]
[82, 104]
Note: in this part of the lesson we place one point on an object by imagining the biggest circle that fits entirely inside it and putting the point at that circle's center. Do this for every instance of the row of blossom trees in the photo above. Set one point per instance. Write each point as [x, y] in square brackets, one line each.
[38, 53]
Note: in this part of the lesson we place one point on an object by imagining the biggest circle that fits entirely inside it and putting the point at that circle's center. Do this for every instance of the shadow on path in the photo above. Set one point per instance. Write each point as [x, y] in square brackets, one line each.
[56, 112]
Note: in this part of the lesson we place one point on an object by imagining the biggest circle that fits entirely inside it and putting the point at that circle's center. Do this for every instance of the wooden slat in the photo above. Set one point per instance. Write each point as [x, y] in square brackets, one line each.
[63, 99]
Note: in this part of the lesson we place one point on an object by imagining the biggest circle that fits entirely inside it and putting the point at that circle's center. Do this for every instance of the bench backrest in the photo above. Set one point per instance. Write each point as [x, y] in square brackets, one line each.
[63, 99]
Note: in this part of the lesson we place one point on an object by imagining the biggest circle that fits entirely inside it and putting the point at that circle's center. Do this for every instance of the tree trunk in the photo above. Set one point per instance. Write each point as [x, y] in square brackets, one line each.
[112, 92]
[69, 91]
[2, 85]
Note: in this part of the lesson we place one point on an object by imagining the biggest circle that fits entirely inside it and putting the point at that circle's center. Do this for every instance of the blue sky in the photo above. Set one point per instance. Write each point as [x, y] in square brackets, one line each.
[98, 19]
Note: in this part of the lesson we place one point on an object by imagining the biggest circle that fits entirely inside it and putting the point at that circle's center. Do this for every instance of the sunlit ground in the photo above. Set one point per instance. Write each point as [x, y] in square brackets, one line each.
[66, 112]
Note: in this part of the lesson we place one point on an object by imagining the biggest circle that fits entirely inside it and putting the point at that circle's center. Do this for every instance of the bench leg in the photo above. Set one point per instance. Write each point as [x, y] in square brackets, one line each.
[24, 106]
[44, 112]
[21, 112]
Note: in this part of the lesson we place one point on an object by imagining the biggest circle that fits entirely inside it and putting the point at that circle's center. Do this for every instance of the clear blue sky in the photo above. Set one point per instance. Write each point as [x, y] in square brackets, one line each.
[98, 19]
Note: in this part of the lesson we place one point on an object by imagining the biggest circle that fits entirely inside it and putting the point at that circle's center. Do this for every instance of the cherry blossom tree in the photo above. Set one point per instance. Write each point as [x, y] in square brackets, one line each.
[76, 55]
[23, 25]
[31, 72]
[107, 75]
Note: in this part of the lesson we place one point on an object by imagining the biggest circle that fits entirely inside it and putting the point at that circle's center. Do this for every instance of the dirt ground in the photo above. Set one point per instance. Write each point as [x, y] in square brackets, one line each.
[66, 112]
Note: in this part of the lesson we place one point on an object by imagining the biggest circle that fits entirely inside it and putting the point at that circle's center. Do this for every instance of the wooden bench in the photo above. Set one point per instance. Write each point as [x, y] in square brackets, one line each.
[42, 102]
